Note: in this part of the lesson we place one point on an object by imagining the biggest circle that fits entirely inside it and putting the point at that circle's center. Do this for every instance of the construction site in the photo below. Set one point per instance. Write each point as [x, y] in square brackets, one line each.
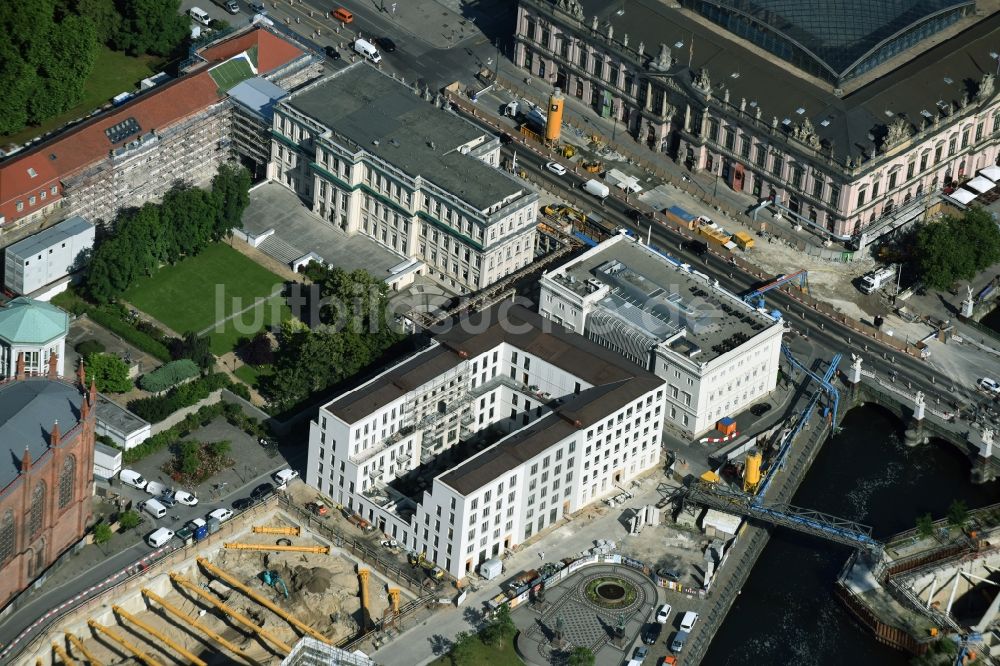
[245, 594]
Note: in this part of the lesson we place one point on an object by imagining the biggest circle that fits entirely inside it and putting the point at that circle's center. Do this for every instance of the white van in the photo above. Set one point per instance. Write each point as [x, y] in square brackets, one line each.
[368, 50]
[159, 537]
[200, 15]
[688, 621]
[153, 508]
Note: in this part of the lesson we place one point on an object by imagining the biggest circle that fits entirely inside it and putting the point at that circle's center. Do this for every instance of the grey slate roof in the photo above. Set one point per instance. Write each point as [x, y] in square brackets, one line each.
[366, 106]
[28, 409]
[942, 73]
[258, 95]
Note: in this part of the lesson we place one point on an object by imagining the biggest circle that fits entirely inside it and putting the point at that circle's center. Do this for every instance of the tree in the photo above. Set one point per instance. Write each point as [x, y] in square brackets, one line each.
[129, 520]
[257, 351]
[956, 248]
[102, 533]
[580, 656]
[157, 27]
[463, 650]
[231, 192]
[958, 514]
[220, 448]
[109, 372]
[500, 630]
[104, 15]
[194, 347]
[189, 458]
[925, 525]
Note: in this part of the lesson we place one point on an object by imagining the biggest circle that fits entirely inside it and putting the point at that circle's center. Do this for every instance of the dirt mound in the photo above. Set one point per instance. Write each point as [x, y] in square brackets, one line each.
[315, 580]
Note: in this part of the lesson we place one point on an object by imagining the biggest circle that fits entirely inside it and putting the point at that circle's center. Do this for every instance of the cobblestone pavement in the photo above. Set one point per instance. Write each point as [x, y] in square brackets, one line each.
[585, 623]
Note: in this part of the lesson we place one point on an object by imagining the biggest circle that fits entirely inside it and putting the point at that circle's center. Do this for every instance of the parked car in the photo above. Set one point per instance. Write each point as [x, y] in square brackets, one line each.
[688, 621]
[283, 476]
[760, 409]
[159, 537]
[262, 491]
[989, 385]
[317, 508]
[132, 478]
[386, 44]
[243, 504]
[640, 653]
[651, 633]
[185, 498]
[556, 168]
[155, 488]
[663, 614]
[232, 7]
[221, 515]
[669, 574]
[257, 8]
[167, 500]
[697, 248]
[332, 53]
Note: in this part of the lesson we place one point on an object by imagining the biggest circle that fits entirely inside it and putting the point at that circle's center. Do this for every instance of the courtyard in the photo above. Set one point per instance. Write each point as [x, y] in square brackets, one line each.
[220, 293]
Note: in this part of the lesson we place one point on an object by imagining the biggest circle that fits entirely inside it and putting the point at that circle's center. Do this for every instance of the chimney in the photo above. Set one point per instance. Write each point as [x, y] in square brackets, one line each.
[81, 376]
[53, 366]
[19, 374]
[26, 461]
[55, 435]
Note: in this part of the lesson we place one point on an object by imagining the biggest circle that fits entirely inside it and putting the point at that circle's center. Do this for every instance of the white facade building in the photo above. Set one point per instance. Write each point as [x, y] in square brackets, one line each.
[47, 256]
[716, 353]
[486, 437]
[374, 158]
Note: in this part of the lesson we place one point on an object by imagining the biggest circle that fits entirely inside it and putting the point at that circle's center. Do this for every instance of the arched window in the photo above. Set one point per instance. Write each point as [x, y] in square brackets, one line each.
[37, 513]
[66, 482]
[8, 537]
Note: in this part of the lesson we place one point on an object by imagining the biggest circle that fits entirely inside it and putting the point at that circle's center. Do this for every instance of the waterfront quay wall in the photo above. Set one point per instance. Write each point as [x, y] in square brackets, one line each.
[752, 539]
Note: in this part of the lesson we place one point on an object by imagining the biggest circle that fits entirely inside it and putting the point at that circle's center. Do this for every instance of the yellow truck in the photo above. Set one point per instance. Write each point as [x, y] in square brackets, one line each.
[743, 240]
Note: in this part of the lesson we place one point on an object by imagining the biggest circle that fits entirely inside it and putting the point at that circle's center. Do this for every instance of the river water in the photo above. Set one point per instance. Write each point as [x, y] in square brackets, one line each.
[787, 612]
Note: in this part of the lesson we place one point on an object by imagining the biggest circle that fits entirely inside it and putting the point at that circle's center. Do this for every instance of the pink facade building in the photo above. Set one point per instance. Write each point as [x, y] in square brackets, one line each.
[852, 117]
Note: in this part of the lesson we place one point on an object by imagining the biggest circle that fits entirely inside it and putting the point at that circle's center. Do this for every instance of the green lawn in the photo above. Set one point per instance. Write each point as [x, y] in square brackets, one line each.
[251, 375]
[198, 292]
[113, 73]
[487, 655]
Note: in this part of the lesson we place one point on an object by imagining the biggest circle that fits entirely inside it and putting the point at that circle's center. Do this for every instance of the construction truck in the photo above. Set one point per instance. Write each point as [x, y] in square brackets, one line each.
[317, 508]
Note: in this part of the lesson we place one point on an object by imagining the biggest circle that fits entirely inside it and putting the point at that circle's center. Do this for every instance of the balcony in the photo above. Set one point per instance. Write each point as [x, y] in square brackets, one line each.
[388, 442]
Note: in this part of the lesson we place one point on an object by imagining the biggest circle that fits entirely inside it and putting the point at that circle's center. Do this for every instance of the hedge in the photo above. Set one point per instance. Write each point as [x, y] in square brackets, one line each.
[168, 375]
[112, 319]
[157, 408]
[172, 434]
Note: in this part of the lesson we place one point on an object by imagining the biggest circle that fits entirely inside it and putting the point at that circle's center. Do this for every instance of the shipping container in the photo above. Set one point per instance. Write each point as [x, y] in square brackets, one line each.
[678, 215]
[743, 240]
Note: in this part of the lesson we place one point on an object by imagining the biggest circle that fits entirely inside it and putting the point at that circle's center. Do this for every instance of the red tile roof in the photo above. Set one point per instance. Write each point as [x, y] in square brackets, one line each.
[87, 143]
[272, 51]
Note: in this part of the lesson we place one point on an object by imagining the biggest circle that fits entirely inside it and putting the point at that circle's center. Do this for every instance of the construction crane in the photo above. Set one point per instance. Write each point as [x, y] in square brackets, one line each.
[285, 531]
[756, 297]
[324, 550]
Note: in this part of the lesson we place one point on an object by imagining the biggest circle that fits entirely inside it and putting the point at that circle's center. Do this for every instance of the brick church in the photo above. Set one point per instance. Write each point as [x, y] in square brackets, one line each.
[46, 472]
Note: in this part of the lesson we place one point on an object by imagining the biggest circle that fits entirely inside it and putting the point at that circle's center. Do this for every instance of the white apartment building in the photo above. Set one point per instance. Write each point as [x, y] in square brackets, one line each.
[498, 429]
[373, 157]
[716, 353]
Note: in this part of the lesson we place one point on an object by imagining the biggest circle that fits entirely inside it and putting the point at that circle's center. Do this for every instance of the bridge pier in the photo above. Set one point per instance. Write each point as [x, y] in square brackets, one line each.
[854, 380]
[983, 470]
[915, 435]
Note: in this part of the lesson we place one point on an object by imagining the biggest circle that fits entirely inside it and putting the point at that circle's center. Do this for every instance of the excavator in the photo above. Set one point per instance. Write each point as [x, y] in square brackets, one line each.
[273, 579]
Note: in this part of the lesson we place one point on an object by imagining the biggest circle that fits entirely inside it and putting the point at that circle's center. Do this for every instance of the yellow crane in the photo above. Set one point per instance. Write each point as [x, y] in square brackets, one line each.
[280, 612]
[285, 531]
[325, 550]
[156, 633]
[139, 654]
[236, 615]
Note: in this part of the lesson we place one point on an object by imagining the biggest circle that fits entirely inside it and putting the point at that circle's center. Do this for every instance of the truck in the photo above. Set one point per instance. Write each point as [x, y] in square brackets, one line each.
[597, 188]
[875, 280]
[743, 240]
[679, 216]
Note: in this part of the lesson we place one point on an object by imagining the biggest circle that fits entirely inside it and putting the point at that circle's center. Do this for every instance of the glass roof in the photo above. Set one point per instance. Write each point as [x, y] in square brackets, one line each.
[839, 32]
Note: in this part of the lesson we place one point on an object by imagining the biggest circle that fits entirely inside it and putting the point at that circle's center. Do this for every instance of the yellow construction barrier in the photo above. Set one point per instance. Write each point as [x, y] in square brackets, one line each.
[62, 655]
[394, 599]
[325, 550]
[285, 531]
[139, 654]
[152, 631]
[186, 619]
[266, 603]
[78, 644]
[236, 615]
[363, 575]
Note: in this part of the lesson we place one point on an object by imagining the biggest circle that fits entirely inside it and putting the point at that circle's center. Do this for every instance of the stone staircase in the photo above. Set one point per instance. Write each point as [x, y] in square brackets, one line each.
[280, 250]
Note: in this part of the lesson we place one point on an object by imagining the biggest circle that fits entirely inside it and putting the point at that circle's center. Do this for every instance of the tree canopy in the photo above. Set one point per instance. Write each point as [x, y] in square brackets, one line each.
[353, 331]
[185, 222]
[109, 372]
[956, 248]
